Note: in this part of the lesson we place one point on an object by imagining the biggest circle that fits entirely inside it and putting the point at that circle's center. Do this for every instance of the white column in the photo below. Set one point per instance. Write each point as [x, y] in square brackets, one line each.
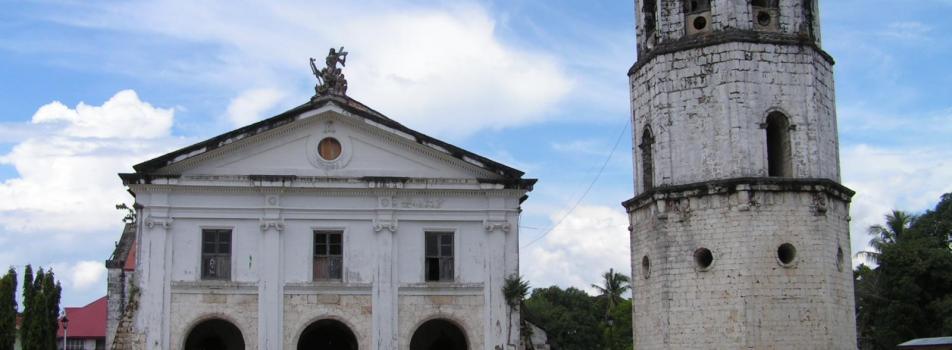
[155, 308]
[271, 287]
[385, 284]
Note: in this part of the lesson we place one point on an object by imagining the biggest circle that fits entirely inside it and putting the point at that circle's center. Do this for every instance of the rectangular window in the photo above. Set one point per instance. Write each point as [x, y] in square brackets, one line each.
[328, 255]
[74, 344]
[439, 256]
[216, 255]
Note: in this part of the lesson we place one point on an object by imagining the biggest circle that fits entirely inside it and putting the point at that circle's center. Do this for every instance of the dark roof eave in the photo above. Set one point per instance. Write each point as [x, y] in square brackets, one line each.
[144, 178]
[138, 178]
[349, 104]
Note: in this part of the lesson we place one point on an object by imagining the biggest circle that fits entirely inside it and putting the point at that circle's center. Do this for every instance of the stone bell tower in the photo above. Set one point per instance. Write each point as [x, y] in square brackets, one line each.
[739, 225]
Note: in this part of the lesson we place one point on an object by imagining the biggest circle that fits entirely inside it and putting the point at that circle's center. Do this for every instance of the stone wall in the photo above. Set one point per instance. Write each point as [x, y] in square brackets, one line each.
[747, 298]
[301, 310]
[465, 311]
[230, 302]
[706, 108]
[126, 336]
[726, 15]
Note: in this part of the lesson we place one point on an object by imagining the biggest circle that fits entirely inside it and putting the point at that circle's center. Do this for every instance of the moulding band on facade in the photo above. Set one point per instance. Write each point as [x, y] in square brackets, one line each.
[441, 288]
[214, 287]
[315, 288]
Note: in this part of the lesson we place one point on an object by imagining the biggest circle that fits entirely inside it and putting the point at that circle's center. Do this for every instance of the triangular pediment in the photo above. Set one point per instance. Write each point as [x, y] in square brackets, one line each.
[369, 146]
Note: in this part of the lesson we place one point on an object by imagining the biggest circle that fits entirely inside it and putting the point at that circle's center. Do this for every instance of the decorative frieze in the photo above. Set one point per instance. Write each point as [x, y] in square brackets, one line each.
[164, 223]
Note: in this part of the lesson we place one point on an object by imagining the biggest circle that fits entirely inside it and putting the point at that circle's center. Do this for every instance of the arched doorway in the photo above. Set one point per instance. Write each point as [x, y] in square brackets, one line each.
[438, 335]
[327, 335]
[215, 334]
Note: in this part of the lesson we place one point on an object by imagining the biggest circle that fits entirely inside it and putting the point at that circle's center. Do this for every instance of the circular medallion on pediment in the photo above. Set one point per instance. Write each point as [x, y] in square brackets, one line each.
[329, 150]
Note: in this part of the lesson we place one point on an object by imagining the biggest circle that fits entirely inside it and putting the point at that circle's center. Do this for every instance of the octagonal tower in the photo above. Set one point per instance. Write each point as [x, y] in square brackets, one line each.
[739, 225]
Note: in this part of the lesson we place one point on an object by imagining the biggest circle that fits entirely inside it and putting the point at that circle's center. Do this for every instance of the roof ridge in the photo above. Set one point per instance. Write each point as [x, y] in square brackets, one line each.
[512, 175]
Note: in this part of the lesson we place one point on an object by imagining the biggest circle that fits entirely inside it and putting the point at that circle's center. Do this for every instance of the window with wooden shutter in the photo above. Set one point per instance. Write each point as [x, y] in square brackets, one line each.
[216, 254]
[328, 255]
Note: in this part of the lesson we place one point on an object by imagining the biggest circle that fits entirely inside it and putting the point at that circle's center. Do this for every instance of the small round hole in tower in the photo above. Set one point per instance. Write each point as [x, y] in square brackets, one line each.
[700, 23]
[764, 18]
[786, 254]
[703, 258]
[646, 267]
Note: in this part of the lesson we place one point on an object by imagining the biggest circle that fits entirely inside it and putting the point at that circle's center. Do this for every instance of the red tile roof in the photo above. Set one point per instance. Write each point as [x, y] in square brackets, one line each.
[88, 321]
[131, 258]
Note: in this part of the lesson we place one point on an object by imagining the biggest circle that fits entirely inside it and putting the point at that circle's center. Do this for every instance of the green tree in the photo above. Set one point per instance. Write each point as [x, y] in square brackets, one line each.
[618, 332]
[897, 223]
[514, 289]
[26, 336]
[613, 286]
[41, 298]
[570, 317]
[8, 309]
[909, 294]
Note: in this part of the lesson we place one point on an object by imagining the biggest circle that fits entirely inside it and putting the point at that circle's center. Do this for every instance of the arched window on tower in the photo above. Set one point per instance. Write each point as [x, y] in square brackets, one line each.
[694, 6]
[779, 162]
[647, 160]
[808, 18]
[650, 10]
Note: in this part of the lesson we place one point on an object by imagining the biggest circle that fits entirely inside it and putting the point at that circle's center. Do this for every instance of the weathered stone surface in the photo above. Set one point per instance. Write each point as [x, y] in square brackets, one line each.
[705, 108]
[190, 309]
[705, 99]
[301, 310]
[747, 298]
[464, 311]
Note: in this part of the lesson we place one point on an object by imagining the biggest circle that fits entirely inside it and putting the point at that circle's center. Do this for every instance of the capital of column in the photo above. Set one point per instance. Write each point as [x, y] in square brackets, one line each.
[265, 225]
[385, 224]
[491, 226]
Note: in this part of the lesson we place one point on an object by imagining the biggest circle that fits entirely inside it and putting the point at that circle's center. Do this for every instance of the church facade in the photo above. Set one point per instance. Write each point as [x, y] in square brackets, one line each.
[328, 226]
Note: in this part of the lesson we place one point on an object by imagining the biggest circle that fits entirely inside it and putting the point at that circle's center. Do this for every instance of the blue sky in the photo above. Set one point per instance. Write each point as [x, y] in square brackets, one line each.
[539, 85]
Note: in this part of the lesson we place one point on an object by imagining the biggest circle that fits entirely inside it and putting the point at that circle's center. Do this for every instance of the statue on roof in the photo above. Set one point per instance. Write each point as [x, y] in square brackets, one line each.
[330, 79]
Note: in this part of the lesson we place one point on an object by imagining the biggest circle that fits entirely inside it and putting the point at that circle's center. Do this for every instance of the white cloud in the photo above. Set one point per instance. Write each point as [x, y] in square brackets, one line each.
[907, 31]
[589, 242]
[250, 105]
[66, 177]
[123, 116]
[909, 179]
[87, 274]
[441, 70]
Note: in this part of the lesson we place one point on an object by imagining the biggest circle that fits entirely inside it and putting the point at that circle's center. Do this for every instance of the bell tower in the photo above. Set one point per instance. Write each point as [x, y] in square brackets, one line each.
[739, 223]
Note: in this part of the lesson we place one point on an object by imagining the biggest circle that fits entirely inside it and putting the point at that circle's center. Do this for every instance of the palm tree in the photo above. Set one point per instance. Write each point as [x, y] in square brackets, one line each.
[514, 289]
[897, 223]
[615, 284]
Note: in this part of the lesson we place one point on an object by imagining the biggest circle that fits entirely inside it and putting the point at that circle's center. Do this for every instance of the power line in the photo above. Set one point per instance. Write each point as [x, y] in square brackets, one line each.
[587, 190]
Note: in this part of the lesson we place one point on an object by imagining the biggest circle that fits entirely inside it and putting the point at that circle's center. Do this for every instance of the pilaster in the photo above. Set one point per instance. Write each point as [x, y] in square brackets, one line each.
[271, 277]
[386, 279]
